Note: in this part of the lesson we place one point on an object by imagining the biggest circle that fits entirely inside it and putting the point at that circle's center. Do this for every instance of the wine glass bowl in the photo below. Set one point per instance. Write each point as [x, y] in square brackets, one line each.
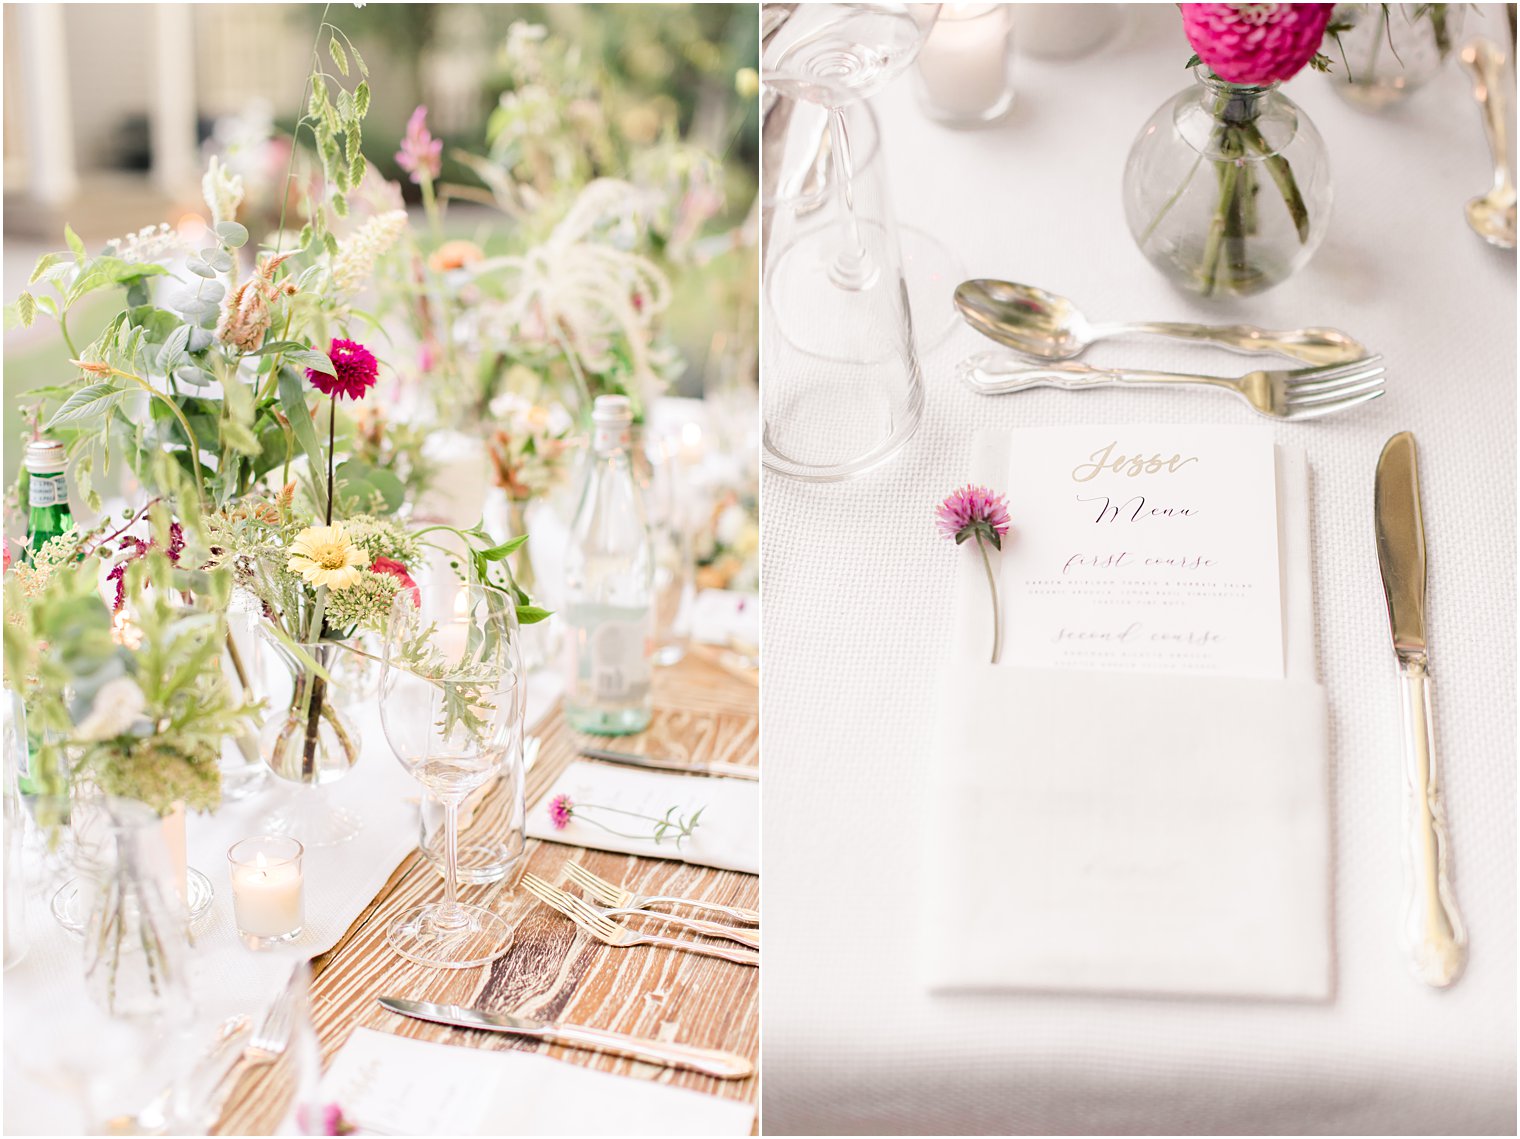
[450, 688]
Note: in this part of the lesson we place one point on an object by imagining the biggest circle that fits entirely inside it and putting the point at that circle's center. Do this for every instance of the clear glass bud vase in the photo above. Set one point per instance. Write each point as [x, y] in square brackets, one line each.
[309, 741]
[1227, 189]
[1391, 50]
[137, 936]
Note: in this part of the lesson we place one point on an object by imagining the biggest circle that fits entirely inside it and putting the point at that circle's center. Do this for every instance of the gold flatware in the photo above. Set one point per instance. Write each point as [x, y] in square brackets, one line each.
[1492, 215]
[609, 932]
[1437, 937]
[610, 894]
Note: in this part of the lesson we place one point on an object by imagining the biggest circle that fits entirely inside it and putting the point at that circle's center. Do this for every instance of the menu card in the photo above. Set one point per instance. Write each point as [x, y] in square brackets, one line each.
[1148, 549]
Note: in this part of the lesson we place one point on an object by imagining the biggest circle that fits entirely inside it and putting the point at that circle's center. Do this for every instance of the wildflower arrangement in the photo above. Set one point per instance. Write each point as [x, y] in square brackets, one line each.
[976, 512]
[130, 702]
[529, 445]
[209, 356]
[603, 200]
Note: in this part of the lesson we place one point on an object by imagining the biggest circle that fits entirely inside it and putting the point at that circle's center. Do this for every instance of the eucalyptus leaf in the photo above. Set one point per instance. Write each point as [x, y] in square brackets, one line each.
[190, 374]
[220, 260]
[232, 234]
[199, 267]
[200, 339]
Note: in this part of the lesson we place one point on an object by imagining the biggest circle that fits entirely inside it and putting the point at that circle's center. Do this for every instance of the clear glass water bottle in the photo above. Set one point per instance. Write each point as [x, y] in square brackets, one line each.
[47, 493]
[609, 587]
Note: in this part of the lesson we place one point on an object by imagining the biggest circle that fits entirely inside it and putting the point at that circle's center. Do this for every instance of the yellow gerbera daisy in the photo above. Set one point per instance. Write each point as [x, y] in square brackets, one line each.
[323, 555]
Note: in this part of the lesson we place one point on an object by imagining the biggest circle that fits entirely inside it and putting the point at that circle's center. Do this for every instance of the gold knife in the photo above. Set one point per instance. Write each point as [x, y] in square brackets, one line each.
[659, 763]
[1437, 937]
[667, 1053]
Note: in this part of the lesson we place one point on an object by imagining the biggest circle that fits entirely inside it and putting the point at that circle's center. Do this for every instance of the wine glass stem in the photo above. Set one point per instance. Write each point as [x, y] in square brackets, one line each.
[451, 855]
[852, 267]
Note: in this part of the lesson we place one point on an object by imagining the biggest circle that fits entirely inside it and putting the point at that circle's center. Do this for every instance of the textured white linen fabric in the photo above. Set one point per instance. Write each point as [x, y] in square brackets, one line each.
[1114, 844]
[857, 596]
[53, 1032]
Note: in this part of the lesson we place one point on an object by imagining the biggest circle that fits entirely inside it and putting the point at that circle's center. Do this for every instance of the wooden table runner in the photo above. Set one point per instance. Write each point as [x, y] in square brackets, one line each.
[703, 709]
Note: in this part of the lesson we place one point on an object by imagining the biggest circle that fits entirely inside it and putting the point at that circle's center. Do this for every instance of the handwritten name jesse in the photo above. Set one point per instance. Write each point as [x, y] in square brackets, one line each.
[1131, 466]
[1134, 509]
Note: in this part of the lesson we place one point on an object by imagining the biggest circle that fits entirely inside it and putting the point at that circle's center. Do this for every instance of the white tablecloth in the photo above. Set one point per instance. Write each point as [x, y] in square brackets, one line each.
[857, 589]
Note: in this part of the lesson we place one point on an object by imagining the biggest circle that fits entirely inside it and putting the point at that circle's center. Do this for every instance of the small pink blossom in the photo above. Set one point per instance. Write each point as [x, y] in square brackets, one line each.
[561, 808]
[421, 154]
[974, 510]
[329, 1120]
[1255, 44]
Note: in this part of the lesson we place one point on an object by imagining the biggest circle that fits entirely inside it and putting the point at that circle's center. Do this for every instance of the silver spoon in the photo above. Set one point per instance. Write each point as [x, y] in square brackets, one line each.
[1044, 326]
[1492, 215]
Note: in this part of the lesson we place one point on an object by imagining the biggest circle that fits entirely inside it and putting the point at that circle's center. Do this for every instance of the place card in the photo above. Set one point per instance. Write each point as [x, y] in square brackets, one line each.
[1150, 549]
[727, 836]
[396, 1085]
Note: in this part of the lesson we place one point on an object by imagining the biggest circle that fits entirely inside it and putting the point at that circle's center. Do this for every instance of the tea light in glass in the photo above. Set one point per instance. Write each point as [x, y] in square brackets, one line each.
[267, 902]
[964, 73]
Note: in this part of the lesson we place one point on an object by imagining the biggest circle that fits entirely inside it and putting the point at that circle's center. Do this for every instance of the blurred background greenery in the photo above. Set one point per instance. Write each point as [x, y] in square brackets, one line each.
[112, 110]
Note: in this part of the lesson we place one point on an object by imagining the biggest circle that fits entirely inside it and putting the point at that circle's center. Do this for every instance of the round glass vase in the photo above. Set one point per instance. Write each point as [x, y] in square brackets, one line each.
[308, 741]
[1391, 50]
[1227, 189]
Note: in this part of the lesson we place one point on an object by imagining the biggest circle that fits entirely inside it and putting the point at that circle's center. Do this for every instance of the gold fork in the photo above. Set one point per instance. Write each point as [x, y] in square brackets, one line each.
[605, 930]
[744, 935]
[613, 895]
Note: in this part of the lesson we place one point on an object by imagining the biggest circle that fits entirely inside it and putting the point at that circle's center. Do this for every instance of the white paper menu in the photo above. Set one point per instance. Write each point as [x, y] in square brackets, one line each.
[1138, 548]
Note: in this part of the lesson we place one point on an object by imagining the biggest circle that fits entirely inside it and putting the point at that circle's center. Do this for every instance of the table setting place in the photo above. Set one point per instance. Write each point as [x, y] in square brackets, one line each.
[1145, 752]
[381, 614]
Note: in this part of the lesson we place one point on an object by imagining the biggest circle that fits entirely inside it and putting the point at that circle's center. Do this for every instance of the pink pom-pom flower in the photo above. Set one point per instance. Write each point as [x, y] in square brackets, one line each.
[971, 510]
[561, 808]
[356, 368]
[1255, 44]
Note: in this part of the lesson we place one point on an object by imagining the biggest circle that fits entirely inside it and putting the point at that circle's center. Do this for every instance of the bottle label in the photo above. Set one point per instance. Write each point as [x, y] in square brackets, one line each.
[48, 490]
[619, 662]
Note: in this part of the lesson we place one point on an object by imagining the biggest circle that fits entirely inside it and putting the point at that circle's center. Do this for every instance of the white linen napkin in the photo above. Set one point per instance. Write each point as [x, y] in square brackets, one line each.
[1127, 832]
[727, 836]
[402, 1086]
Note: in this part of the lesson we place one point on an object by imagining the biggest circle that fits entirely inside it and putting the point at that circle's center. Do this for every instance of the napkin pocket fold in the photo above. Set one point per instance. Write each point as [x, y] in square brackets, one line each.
[1127, 832]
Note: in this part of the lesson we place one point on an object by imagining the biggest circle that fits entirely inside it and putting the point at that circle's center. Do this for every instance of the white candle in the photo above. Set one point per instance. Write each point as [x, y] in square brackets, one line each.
[267, 885]
[963, 65]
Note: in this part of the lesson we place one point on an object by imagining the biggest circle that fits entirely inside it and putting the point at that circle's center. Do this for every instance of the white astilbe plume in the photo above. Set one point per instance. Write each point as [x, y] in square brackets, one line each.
[223, 191]
[355, 262]
[117, 707]
[588, 294]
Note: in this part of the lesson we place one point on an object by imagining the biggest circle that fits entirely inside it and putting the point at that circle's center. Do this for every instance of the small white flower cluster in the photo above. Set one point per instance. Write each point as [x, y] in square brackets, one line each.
[223, 191]
[151, 243]
[355, 262]
[117, 707]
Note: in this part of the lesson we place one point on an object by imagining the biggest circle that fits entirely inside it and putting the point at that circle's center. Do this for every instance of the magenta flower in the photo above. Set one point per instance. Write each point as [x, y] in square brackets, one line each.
[561, 808]
[1255, 44]
[421, 154]
[976, 512]
[327, 1120]
[357, 371]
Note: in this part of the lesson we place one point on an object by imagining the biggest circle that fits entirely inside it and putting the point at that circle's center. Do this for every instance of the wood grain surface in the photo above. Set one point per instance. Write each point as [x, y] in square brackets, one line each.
[703, 709]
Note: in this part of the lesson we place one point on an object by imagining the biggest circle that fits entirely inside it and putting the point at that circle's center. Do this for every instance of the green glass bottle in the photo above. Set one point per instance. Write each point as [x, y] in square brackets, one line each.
[47, 493]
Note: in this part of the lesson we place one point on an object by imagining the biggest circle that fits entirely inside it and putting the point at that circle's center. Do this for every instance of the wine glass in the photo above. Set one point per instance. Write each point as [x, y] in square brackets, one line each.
[449, 692]
[836, 56]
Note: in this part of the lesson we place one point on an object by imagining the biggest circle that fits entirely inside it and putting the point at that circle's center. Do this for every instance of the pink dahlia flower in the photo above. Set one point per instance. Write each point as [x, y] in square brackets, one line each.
[974, 509]
[561, 808]
[357, 371]
[1255, 44]
[420, 152]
